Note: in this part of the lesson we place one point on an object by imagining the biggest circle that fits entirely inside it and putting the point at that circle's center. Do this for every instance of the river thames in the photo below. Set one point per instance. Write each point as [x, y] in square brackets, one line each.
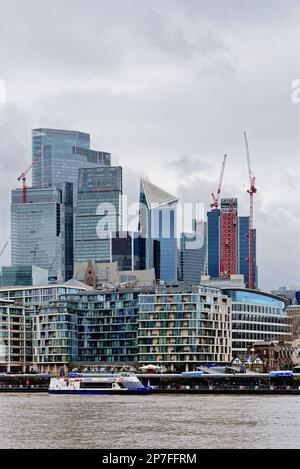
[149, 422]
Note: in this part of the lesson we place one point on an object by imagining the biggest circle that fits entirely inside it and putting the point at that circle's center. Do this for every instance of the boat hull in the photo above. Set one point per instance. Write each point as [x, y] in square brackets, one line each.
[101, 392]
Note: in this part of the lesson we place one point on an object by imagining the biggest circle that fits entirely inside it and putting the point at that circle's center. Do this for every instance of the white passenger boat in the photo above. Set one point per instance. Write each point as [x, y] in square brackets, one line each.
[77, 383]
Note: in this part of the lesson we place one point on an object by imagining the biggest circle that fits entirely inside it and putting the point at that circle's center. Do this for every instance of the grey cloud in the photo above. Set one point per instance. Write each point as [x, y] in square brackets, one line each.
[186, 166]
[154, 79]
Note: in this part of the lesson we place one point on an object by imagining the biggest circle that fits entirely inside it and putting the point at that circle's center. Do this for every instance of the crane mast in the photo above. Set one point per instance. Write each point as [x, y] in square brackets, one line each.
[251, 191]
[216, 196]
[23, 178]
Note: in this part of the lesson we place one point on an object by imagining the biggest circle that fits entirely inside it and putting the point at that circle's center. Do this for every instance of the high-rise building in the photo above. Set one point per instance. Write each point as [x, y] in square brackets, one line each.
[98, 212]
[67, 199]
[228, 244]
[229, 237]
[38, 231]
[213, 243]
[59, 154]
[193, 254]
[126, 250]
[243, 251]
[157, 225]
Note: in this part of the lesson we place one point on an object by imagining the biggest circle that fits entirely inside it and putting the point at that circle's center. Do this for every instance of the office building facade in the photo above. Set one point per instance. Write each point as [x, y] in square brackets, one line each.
[244, 251]
[126, 249]
[256, 317]
[22, 276]
[98, 212]
[193, 254]
[38, 229]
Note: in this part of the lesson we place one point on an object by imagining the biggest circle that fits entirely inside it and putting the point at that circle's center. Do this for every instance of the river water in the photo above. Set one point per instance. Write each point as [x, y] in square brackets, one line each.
[149, 422]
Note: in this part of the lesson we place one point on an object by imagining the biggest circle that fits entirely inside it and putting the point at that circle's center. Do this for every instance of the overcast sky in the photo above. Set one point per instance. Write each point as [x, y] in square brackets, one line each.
[167, 86]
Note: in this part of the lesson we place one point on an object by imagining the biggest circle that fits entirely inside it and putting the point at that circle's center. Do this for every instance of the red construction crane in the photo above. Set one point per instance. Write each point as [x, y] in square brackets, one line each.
[251, 192]
[23, 177]
[216, 198]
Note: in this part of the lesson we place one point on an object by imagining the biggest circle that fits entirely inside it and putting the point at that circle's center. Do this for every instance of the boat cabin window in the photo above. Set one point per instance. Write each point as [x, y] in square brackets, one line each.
[95, 385]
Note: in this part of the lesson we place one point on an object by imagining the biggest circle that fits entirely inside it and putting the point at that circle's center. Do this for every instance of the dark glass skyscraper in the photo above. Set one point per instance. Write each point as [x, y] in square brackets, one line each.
[193, 254]
[213, 243]
[126, 250]
[98, 212]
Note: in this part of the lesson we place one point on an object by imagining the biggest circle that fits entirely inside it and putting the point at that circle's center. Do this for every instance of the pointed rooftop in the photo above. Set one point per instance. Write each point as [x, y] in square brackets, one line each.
[156, 196]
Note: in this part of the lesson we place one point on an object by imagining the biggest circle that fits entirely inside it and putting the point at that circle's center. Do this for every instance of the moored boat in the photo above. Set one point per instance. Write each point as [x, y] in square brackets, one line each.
[81, 383]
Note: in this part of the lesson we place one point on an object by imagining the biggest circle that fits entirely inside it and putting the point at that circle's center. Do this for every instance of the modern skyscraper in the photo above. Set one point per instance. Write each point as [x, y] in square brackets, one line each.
[193, 254]
[59, 154]
[213, 243]
[98, 212]
[228, 243]
[126, 250]
[243, 250]
[38, 229]
[229, 237]
[158, 228]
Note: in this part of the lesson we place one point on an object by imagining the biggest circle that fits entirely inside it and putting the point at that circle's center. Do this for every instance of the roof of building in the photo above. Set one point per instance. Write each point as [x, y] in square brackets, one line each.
[68, 284]
[247, 358]
[73, 283]
[258, 292]
[107, 274]
[156, 196]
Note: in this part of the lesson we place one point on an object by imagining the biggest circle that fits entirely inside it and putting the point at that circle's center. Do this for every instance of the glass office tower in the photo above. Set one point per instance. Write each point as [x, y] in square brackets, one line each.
[38, 231]
[157, 225]
[244, 250]
[228, 243]
[58, 155]
[193, 254]
[98, 212]
[213, 243]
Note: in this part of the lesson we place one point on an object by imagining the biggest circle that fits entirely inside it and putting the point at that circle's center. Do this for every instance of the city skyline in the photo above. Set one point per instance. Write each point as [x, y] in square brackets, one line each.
[168, 102]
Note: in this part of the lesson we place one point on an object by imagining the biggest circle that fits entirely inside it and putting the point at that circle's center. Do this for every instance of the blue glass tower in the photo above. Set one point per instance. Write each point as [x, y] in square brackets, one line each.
[244, 248]
[214, 243]
[193, 254]
[158, 228]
